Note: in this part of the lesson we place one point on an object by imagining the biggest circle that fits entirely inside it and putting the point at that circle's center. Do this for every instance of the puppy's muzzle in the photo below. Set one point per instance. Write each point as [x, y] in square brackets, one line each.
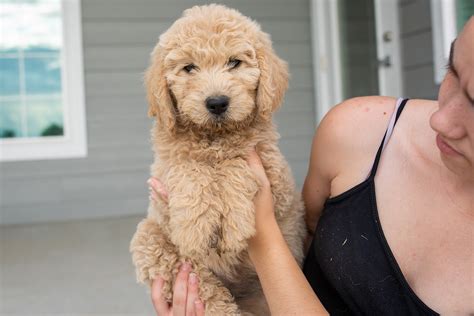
[217, 105]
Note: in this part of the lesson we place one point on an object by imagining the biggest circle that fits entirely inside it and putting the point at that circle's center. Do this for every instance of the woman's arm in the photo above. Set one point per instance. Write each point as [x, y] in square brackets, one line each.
[326, 151]
[284, 285]
[340, 156]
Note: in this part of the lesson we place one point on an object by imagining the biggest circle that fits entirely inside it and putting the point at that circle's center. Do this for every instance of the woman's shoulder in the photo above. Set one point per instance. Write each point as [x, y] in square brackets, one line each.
[350, 134]
[359, 111]
[357, 124]
[362, 121]
[347, 139]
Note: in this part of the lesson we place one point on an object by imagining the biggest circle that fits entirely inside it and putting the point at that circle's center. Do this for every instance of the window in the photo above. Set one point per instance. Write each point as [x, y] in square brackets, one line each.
[447, 19]
[464, 10]
[41, 80]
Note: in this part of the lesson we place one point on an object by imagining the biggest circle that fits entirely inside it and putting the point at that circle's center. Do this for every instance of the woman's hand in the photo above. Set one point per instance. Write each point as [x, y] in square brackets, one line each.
[254, 162]
[186, 300]
[157, 190]
[263, 201]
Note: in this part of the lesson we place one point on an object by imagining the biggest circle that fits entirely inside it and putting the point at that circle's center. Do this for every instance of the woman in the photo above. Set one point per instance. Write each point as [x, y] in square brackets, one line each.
[396, 217]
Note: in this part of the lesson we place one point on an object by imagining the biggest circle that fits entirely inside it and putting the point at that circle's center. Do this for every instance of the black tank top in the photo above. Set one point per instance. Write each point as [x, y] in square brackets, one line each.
[350, 265]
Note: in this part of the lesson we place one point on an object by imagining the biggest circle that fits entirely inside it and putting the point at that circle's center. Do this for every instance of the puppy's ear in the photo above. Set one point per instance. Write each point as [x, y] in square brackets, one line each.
[273, 80]
[160, 102]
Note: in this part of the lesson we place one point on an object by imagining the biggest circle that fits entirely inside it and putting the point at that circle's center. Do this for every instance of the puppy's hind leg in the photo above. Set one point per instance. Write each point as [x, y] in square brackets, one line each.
[217, 298]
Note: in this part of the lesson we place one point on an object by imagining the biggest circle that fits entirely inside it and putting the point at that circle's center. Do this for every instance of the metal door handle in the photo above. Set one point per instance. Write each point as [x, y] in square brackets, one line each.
[385, 62]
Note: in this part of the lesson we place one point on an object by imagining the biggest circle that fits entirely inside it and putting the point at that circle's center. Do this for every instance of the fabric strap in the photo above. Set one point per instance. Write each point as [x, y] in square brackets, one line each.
[388, 133]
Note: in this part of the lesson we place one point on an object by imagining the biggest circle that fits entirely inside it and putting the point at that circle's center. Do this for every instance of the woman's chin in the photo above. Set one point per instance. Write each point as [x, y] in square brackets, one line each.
[459, 166]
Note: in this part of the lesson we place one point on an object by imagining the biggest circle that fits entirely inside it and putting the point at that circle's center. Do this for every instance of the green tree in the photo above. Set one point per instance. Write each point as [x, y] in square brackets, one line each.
[8, 133]
[53, 130]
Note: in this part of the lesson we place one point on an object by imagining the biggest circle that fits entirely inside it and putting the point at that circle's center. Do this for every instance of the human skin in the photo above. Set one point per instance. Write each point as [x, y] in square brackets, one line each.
[438, 186]
[185, 298]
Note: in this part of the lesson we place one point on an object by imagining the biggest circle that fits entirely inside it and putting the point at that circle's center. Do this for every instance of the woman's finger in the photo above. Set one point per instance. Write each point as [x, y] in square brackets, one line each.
[253, 159]
[154, 196]
[199, 308]
[159, 188]
[255, 163]
[160, 304]
[193, 294]
[180, 291]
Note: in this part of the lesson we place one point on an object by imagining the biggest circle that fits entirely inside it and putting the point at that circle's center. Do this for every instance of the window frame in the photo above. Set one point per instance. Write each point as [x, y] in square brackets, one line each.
[73, 144]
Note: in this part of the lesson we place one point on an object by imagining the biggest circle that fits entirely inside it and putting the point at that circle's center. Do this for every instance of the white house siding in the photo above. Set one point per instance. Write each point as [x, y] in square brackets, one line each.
[118, 37]
[417, 49]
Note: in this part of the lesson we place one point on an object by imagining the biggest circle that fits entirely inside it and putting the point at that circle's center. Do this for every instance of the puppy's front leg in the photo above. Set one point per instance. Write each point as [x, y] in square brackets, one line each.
[153, 254]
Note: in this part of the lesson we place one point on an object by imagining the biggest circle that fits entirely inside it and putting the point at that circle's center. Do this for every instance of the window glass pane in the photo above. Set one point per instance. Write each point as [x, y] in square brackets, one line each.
[40, 51]
[42, 75]
[5, 51]
[30, 61]
[464, 10]
[10, 118]
[358, 48]
[9, 77]
[44, 117]
[30, 23]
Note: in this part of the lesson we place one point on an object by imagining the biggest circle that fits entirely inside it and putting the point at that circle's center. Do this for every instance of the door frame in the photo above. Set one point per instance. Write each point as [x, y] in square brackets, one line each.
[326, 50]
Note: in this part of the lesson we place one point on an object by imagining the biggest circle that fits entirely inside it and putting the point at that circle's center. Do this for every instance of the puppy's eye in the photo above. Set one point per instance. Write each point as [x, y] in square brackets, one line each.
[189, 68]
[234, 63]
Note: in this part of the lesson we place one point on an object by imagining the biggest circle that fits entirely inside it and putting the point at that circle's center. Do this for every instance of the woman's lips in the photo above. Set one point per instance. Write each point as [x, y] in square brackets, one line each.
[445, 148]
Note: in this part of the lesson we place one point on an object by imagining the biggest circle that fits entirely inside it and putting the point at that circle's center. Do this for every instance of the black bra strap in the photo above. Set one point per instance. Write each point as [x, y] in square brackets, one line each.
[379, 151]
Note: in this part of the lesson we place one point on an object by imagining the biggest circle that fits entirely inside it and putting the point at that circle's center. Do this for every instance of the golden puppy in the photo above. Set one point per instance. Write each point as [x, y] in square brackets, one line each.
[213, 83]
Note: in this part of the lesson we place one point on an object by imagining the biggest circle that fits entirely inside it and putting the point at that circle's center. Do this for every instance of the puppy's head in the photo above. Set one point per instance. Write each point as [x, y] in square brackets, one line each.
[214, 68]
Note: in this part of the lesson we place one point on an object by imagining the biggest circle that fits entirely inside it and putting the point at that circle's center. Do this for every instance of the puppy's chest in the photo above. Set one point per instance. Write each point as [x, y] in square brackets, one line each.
[211, 203]
[217, 183]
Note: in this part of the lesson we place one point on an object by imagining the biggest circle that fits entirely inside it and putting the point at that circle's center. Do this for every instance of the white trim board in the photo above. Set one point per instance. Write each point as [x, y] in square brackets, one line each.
[443, 21]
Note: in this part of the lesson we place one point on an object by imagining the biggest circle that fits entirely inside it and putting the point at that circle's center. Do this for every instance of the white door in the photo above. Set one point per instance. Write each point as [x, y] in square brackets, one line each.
[388, 47]
[356, 50]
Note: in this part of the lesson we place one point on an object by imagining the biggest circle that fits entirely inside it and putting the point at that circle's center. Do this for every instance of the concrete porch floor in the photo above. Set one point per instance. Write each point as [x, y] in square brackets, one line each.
[70, 268]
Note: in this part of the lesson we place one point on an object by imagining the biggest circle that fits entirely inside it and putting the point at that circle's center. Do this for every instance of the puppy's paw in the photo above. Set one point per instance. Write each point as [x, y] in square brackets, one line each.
[152, 253]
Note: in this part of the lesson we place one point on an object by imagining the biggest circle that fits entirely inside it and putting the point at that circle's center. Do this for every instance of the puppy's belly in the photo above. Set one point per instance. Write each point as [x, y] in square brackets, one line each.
[211, 212]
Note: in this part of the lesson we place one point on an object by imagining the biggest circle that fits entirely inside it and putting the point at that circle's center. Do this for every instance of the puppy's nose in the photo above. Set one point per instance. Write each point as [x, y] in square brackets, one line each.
[217, 105]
